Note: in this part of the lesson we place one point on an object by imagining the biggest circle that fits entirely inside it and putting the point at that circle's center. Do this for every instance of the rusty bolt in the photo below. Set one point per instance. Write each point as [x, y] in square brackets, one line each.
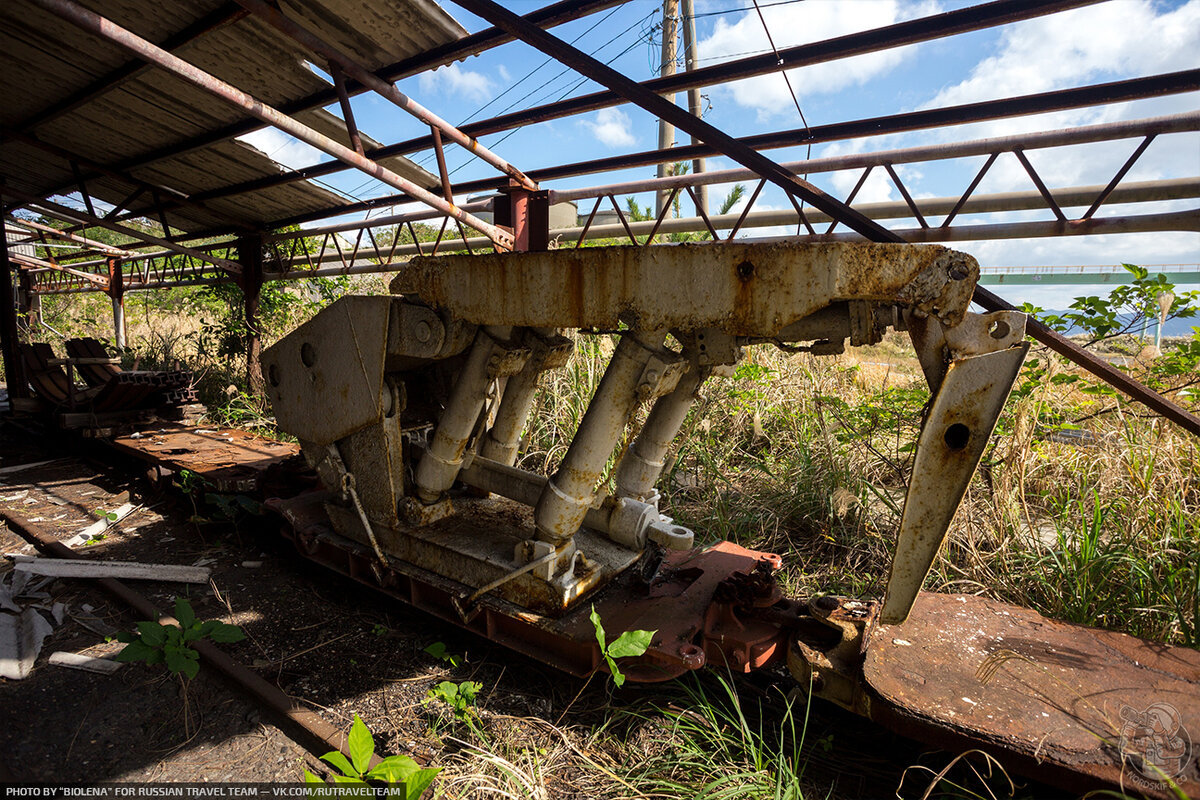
[423, 332]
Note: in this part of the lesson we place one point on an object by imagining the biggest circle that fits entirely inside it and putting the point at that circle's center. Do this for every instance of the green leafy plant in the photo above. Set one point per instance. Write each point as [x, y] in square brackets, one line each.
[629, 643]
[438, 650]
[357, 769]
[171, 645]
[459, 696]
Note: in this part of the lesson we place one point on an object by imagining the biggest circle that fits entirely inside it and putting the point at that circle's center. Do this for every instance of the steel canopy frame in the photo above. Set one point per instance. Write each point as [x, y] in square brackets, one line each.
[108, 30]
[792, 185]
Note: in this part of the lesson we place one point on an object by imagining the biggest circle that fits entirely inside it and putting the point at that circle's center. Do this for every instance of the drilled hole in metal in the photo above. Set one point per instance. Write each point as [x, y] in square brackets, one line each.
[307, 354]
[957, 436]
[998, 329]
[273, 375]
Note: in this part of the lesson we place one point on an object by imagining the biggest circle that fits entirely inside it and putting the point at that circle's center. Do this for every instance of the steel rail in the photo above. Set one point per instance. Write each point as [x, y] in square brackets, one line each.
[108, 30]
[553, 15]
[383, 88]
[1057, 100]
[924, 29]
[66, 214]
[317, 731]
[771, 171]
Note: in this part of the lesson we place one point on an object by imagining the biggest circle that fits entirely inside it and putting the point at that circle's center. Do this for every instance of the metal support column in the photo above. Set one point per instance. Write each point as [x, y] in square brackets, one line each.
[116, 291]
[14, 372]
[251, 280]
[687, 22]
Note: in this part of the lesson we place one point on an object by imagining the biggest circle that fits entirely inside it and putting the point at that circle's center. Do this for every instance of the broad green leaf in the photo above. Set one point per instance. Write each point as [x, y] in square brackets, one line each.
[152, 633]
[226, 633]
[631, 643]
[184, 612]
[595, 618]
[126, 636]
[135, 651]
[174, 635]
[310, 778]
[157, 656]
[394, 769]
[339, 760]
[206, 628]
[178, 662]
[618, 677]
[361, 745]
[416, 785]
[437, 650]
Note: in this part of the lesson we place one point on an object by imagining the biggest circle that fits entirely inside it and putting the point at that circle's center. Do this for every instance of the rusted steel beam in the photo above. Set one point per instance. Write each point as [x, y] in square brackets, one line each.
[30, 262]
[474, 44]
[339, 83]
[219, 17]
[177, 199]
[924, 29]
[384, 89]
[106, 29]
[72, 237]
[64, 213]
[1059, 100]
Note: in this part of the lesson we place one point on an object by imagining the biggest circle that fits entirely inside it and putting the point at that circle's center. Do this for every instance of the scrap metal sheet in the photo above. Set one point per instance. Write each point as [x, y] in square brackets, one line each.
[1075, 702]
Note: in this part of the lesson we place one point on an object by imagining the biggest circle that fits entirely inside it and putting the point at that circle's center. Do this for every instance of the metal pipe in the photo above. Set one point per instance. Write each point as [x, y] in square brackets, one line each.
[384, 89]
[106, 29]
[504, 437]
[569, 493]
[442, 460]
[643, 462]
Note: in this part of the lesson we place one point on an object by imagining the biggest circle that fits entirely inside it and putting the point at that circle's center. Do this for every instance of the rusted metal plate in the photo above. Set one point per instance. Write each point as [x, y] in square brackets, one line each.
[741, 289]
[230, 460]
[705, 605]
[1072, 705]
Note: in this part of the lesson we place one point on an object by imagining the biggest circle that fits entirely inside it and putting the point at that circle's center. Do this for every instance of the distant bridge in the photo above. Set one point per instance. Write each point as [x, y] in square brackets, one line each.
[1179, 274]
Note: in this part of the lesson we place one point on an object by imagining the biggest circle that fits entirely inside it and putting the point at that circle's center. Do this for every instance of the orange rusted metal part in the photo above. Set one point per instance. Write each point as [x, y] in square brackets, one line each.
[1080, 707]
[229, 460]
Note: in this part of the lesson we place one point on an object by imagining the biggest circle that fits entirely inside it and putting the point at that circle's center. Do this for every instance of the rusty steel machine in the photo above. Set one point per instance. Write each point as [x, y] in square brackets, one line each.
[411, 408]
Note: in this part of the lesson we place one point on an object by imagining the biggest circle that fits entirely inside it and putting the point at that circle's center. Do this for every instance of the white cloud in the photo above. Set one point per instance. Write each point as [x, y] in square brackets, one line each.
[611, 127]
[1097, 42]
[453, 79]
[798, 23]
[285, 150]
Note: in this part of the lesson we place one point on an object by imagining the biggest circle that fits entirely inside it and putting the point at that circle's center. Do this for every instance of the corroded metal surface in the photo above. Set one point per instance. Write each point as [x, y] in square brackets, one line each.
[1056, 700]
[230, 460]
[747, 290]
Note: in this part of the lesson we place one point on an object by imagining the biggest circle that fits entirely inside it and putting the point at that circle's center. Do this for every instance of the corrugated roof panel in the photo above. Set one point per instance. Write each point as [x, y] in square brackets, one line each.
[45, 60]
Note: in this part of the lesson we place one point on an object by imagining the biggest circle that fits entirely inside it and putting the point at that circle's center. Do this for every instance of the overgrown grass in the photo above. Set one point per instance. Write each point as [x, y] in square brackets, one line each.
[809, 457]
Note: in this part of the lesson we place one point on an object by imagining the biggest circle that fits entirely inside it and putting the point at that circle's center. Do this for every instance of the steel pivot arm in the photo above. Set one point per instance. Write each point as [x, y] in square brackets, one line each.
[971, 369]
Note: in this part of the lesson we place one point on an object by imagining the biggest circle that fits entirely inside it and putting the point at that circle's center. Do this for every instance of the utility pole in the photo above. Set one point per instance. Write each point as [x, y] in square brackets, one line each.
[666, 131]
[688, 21]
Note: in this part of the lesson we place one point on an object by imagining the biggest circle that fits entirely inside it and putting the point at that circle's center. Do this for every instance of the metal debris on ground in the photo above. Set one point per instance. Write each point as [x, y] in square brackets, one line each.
[87, 663]
[82, 568]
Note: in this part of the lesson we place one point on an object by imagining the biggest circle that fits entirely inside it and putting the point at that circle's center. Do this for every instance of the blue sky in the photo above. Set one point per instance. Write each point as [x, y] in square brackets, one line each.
[1110, 41]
